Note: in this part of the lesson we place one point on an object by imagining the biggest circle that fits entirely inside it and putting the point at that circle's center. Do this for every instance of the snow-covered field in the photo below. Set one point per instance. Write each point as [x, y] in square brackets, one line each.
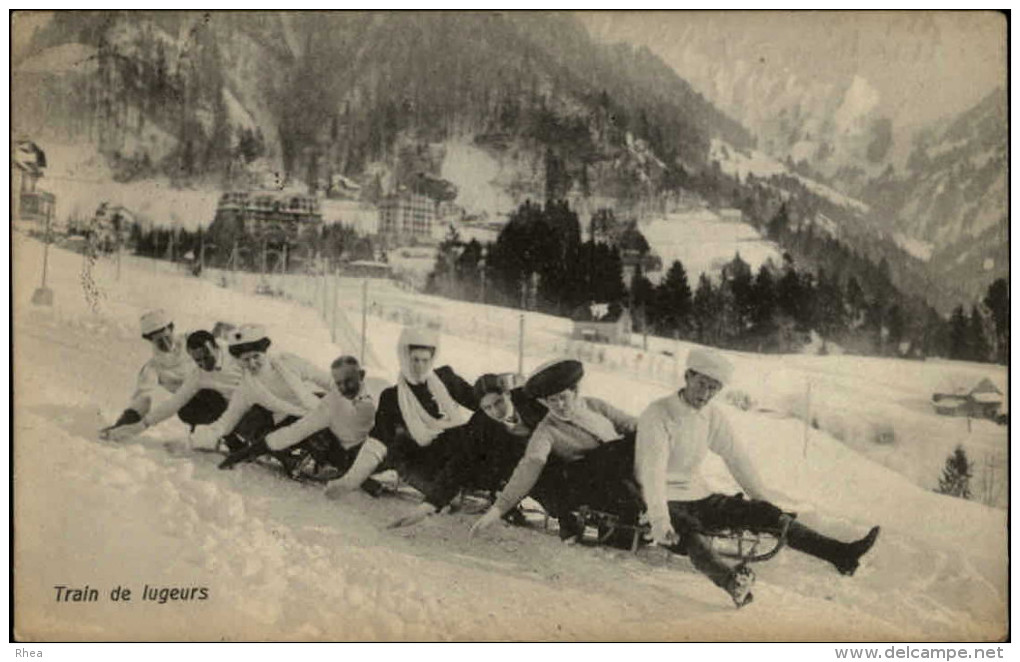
[704, 242]
[280, 562]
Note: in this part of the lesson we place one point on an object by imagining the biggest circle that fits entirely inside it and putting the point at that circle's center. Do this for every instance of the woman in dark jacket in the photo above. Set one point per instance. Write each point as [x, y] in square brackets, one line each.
[418, 421]
[492, 443]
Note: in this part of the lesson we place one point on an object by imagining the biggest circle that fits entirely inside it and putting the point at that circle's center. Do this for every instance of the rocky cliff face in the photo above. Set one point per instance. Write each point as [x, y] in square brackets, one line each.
[953, 194]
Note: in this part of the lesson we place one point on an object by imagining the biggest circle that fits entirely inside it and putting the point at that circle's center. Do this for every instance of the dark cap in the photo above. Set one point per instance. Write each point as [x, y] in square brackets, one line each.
[553, 378]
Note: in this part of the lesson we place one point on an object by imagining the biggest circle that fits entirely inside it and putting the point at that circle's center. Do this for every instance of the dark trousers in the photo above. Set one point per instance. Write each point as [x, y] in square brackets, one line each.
[423, 466]
[602, 480]
[473, 462]
[692, 520]
[204, 408]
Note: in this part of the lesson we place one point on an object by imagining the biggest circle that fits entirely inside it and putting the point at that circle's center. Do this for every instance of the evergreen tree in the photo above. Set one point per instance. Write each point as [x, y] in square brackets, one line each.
[856, 302]
[980, 349]
[673, 301]
[763, 311]
[959, 341]
[788, 294]
[997, 300]
[956, 474]
[779, 225]
[706, 311]
[740, 286]
[831, 307]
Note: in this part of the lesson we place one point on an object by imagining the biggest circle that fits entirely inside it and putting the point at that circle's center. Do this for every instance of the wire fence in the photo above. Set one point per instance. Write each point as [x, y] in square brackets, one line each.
[348, 304]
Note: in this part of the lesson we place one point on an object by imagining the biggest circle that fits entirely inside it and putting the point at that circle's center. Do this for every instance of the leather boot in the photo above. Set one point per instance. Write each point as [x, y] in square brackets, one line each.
[249, 452]
[845, 556]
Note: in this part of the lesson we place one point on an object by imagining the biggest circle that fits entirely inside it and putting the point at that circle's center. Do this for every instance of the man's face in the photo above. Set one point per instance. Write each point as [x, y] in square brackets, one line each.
[700, 389]
[348, 380]
[421, 362]
[496, 406]
[163, 340]
[252, 361]
[561, 404]
[204, 356]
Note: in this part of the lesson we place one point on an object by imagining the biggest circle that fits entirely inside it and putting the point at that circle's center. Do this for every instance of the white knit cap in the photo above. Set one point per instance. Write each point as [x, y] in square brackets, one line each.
[246, 334]
[154, 320]
[711, 364]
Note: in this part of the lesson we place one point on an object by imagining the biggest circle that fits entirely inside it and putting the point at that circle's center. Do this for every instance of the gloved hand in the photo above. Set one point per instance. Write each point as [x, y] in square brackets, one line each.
[205, 436]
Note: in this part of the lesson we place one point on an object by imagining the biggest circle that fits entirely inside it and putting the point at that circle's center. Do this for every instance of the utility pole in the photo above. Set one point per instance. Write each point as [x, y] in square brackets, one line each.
[364, 318]
[520, 346]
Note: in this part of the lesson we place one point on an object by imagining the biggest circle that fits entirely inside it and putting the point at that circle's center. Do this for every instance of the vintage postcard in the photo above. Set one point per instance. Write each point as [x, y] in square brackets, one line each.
[510, 326]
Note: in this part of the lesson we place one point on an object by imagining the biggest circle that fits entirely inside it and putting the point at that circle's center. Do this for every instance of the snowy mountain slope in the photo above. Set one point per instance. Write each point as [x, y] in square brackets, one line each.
[281, 562]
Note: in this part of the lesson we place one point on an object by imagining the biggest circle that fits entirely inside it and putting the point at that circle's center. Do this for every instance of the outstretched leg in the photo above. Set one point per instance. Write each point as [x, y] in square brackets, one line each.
[845, 556]
[736, 581]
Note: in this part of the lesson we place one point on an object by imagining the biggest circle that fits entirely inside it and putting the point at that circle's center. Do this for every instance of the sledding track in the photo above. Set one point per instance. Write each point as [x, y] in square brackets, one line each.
[284, 563]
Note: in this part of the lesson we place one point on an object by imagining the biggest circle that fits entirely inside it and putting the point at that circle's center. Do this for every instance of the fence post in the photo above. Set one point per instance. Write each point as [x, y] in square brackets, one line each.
[807, 416]
[364, 318]
[332, 324]
[324, 283]
[520, 347]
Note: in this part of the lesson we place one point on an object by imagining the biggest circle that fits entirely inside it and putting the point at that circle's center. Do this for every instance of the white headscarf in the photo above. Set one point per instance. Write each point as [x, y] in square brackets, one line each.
[420, 424]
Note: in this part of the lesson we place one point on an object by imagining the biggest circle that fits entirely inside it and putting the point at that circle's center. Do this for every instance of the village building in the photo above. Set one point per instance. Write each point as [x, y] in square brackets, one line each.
[32, 206]
[407, 216]
[362, 217]
[605, 323]
[271, 215]
[984, 400]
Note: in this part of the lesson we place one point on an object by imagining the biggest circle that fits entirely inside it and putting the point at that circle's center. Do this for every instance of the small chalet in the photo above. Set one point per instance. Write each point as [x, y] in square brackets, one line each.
[30, 203]
[984, 400]
[600, 322]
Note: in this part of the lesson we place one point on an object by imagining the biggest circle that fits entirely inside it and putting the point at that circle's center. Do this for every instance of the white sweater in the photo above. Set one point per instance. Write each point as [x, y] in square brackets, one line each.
[672, 441]
[349, 420]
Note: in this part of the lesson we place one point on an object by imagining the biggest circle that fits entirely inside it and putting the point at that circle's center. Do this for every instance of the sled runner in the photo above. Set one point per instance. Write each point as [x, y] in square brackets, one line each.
[750, 546]
[611, 529]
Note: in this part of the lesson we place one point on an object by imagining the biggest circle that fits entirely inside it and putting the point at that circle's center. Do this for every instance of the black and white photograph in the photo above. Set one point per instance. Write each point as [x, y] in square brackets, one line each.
[511, 326]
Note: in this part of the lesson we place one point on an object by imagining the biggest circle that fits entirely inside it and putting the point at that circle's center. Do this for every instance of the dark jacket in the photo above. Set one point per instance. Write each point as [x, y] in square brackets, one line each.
[390, 427]
[419, 465]
[487, 453]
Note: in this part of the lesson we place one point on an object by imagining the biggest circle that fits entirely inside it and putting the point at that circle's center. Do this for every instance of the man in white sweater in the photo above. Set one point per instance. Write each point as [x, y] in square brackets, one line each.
[674, 436]
[337, 428]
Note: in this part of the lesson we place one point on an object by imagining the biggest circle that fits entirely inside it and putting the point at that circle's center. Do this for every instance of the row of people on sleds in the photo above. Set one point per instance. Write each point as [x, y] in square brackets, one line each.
[503, 435]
